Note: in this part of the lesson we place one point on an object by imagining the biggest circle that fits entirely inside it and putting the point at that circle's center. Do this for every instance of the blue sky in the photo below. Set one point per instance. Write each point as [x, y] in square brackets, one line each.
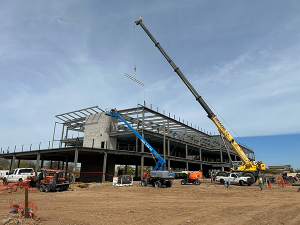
[242, 57]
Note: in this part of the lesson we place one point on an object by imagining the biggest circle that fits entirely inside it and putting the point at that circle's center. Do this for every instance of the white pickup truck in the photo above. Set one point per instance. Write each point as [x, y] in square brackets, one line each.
[234, 178]
[3, 173]
[19, 174]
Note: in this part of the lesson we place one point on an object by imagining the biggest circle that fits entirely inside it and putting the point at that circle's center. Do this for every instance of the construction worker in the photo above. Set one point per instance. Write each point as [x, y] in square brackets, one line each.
[260, 181]
[228, 183]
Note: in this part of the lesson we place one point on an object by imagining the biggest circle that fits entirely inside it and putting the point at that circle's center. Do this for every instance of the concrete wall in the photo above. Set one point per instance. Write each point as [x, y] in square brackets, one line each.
[97, 127]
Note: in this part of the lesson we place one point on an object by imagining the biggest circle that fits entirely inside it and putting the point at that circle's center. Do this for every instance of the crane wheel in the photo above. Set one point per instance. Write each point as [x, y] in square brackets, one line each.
[47, 188]
[144, 183]
[42, 188]
[250, 175]
[157, 184]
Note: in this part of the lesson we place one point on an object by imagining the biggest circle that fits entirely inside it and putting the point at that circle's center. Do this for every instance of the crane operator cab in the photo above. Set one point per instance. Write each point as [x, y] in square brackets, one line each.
[236, 165]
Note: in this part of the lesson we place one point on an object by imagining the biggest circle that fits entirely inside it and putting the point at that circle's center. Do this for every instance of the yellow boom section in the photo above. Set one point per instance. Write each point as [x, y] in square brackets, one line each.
[232, 142]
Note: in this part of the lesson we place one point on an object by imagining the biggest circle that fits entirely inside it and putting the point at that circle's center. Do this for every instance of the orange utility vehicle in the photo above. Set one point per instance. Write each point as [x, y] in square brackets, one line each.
[53, 180]
[192, 178]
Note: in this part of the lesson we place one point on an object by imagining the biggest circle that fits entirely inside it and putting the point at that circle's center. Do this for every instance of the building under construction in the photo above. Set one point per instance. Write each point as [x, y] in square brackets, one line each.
[107, 141]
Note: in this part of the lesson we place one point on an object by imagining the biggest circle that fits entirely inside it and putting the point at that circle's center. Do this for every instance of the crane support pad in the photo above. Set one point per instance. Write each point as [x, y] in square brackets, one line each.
[162, 174]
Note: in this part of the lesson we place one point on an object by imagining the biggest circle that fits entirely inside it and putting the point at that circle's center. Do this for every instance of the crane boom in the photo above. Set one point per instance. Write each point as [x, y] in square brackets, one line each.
[248, 165]
[161, 162]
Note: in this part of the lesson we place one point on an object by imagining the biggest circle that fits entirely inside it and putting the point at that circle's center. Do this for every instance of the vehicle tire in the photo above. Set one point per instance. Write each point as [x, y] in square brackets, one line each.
[183, 182]
[144, 183]
[4, 181]
[47, 188]
[251, 176]
[42, 188]
[242, 183]
[197, 182]
[157, 184]
[169, 183]
[222, 181]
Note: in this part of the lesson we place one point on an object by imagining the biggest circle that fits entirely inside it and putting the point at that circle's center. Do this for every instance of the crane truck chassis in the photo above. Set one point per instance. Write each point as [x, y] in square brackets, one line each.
[247, 168]
[159, 176]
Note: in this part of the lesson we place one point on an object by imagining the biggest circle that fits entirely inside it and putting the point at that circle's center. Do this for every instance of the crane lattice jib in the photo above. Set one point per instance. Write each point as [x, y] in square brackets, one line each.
[161, 162]
[209, 112]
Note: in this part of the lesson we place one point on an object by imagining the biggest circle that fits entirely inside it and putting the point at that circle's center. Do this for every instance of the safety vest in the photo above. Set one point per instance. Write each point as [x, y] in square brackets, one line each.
[260, 180]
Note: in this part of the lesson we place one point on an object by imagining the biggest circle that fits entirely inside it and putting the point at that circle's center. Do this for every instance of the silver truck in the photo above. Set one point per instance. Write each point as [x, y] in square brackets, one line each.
[234, 178]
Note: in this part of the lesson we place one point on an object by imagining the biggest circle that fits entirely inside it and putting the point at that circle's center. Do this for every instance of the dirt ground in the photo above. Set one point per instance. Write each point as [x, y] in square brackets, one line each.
[189, 204]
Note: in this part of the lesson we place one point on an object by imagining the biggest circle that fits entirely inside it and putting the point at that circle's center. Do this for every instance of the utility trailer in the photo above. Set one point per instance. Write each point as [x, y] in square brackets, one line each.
[123, 180]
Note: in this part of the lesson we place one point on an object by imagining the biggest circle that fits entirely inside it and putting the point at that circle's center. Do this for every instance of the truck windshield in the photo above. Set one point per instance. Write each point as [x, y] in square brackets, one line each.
[238, 175]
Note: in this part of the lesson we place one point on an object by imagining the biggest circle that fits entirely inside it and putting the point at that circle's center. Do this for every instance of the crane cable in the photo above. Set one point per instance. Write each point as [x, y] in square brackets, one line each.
[134, 49]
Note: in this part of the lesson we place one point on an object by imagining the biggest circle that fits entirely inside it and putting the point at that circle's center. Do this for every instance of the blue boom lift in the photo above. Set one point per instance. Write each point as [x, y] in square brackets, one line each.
[159, 176]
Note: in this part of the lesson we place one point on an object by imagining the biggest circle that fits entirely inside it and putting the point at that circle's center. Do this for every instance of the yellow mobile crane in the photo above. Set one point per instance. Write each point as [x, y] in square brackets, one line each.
[245, 167]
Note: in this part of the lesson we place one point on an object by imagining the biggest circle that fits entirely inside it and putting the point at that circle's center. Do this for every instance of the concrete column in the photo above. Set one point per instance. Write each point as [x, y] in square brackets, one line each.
[42, 163]
[235, 158]
[37, 164]
[221, 155]
[104, 166]
[12, 163]
[186, 151]
[67, 162]
[58, 164]
[125, 169]
[63, 165]
[50, 164]
[201, 167]
[136, 171]
[19, 163]
[222, 168]
[142, 166]
[200, 155]
[187, 166]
